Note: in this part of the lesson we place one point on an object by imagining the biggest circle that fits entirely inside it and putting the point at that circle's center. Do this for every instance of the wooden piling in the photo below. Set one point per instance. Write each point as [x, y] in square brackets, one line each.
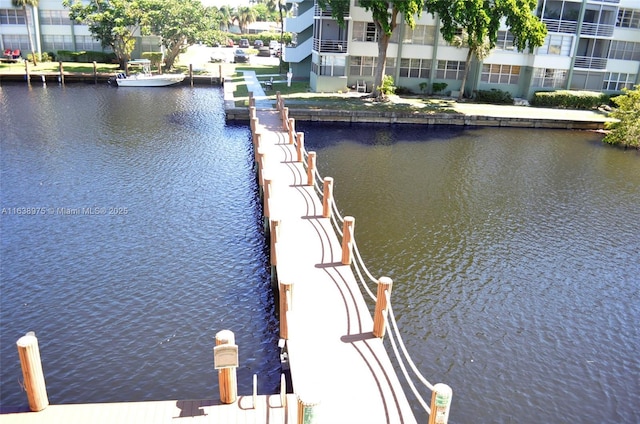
[300, 146]
[292, 130]
[440, 404]
[227, 378]
[274, 231]
[31, 364]
[347, 239]
[380, 313]
[327, 196]
[311, 168]
[268, 192]
[191, 74]
[95, 72]
[286, 305]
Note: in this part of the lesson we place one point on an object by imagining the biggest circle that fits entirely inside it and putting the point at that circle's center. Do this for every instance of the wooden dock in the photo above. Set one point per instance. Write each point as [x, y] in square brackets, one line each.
[335, 360]
[269, 409]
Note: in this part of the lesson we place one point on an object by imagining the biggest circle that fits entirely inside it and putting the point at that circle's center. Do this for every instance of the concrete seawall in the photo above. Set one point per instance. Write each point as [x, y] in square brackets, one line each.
[456, 119]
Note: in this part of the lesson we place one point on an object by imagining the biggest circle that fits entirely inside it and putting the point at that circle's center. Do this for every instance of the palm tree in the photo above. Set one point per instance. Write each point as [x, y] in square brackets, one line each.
[23, 4]
[245, 16]
[226, 17]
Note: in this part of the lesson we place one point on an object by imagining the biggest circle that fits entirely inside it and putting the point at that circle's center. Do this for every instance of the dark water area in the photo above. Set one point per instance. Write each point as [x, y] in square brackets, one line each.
[515, 260]
[130, 235]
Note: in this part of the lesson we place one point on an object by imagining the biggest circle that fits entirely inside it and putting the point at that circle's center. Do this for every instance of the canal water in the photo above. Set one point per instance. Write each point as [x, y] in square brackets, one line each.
[131, 234]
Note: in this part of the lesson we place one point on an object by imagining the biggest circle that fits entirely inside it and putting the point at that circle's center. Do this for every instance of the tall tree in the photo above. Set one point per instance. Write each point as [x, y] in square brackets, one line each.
[179, 23]
[114, 22]
[479, 21]
[385, 18]
[23, 4]
[245, 16]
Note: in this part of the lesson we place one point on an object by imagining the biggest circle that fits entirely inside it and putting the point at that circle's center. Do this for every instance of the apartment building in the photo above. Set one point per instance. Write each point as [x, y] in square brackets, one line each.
[52, 30]
[591, 44]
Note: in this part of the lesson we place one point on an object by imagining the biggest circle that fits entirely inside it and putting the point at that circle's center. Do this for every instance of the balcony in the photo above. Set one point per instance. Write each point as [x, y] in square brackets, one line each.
[330, 46]
[296, 54]
[327, 13]
[557, 25]
[596, 30]
[300, 22]
[585, 62]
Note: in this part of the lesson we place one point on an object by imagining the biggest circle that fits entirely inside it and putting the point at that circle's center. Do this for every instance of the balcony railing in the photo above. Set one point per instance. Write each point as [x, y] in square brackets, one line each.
[596, 30]
[330, 46]
[327, 12]
[586, 62]
[557, 25]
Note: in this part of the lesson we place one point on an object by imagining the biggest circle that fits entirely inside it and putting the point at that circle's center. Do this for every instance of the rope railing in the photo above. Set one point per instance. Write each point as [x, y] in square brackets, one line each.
[440, 393]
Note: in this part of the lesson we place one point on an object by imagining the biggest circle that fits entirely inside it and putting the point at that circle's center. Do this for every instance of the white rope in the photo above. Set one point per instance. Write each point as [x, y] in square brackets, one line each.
[404, 349]
[404, 370]
[359, 258]
[356, 265]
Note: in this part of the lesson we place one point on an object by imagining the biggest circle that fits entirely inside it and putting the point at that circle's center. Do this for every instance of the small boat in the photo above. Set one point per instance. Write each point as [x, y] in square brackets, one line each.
[146, 78]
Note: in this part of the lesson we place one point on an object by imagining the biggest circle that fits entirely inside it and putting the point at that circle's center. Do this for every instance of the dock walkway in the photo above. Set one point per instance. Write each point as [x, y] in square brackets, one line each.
[335, 360]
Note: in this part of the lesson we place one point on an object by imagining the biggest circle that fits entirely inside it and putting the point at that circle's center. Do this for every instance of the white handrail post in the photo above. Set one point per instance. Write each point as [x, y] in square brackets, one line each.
[380, 314]
[283, 390]
[440, 404]
[255, 391]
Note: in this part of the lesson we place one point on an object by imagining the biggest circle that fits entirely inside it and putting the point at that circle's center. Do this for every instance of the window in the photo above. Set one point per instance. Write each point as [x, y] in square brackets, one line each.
[365, 66]
[55, 17]
[367, 32]
[624, 50]
[421, 34]
[16, 42]
[88, 43]
[52, 43]
[549, 78]
[415, 68]
[331, 66]
[616, 81]
[12, 17]
[450, 69]
[628, 18]
[458, 34]
[504, 41]
[500, 74]
[557, 44]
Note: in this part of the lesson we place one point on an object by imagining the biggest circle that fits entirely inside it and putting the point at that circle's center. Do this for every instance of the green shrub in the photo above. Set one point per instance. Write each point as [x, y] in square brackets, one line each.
[85, 56]
[439, 86]
[387, 86]
[494, 96]
[154, 57]
[569, 99]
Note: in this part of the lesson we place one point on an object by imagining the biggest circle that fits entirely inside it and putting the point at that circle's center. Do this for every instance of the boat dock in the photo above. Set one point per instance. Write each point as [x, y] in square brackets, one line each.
[337, 364]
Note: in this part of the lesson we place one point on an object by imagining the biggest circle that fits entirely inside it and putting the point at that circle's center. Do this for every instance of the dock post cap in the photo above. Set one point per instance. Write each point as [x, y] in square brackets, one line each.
[27, 339]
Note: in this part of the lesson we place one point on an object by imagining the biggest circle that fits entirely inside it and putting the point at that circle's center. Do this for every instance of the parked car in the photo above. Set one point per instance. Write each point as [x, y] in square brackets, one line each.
[240, 56]
[244, 43]
[257, 44]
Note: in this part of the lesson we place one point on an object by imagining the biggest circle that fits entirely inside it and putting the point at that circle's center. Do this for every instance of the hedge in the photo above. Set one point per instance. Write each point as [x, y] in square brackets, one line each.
[85, 56]
[570, 99]
[494, 96]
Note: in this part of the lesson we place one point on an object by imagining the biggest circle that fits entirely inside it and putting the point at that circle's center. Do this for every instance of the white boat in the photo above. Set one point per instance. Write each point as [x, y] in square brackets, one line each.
[146, 78]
